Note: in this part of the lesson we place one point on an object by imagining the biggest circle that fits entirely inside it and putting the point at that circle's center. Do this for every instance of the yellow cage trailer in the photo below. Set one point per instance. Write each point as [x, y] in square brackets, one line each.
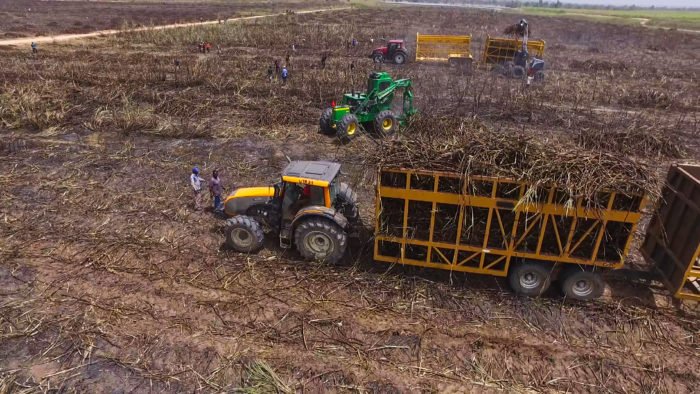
[499, 227]
[672, 241]
[452, 49]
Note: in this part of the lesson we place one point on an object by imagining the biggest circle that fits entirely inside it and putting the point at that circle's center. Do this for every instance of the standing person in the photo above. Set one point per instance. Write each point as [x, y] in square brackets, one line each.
[277, 66]
[323, 60]
[286, 59]
[354, 42]
[196, 183]
[285, 74]
[270, 73]
[34, 47]
[216, 189]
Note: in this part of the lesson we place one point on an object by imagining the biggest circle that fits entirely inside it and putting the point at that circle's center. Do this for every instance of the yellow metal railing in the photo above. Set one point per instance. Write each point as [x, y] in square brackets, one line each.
[442, 48]
[501, 49]
[479, 224]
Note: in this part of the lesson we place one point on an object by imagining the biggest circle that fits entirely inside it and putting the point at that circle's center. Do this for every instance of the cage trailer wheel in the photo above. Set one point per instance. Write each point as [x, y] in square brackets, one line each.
[581, 285]
[385, 123]
[529, 278]
[325, 123]
[320, 239]
[244, 234]
[347, 128]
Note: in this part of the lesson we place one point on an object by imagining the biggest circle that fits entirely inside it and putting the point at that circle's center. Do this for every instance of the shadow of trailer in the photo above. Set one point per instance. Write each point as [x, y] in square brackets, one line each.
[672, 242]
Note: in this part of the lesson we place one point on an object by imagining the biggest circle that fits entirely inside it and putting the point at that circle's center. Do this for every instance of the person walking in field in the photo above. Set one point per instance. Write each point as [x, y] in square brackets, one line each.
[277, 66]
[285, 74]
[196, 183]
[270, 73]
[34, 47]
[216, 189]
[324, 57]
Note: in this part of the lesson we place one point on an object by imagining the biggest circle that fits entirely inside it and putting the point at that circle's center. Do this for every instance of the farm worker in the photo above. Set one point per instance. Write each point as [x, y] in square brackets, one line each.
[285, 74]
[277, 66]
[196, 183]
[34, 48]
[354, 42]
[270, 73]
[177, 64]
[216, 189]
[323, 60]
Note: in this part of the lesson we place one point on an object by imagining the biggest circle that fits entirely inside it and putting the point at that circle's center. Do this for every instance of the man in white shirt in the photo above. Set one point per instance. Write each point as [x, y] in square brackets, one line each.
[196, 183]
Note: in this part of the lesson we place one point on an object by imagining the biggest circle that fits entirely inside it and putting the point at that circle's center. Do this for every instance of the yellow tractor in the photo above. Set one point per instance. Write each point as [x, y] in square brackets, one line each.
[309, 209]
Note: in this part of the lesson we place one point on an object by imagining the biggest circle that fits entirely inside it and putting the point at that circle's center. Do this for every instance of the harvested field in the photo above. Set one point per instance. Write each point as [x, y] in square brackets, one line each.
[28, 18]
[109, 280]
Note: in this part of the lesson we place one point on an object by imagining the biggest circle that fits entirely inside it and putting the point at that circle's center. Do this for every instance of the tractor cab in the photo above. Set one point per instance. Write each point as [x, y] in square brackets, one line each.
[309, 205]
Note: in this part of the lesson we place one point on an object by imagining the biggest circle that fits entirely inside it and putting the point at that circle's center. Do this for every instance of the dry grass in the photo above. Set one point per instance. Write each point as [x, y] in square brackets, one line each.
[110, 281]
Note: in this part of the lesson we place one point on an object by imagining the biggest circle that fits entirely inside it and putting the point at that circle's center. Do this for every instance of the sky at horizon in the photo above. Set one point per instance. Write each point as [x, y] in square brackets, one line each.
[640, 3]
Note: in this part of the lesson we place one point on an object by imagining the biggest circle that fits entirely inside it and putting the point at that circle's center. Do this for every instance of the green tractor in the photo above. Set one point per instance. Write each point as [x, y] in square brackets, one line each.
[373, 107]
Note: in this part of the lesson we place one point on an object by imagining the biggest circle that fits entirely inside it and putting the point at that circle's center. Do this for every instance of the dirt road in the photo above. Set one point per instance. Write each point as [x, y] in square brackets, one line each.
[67, 37]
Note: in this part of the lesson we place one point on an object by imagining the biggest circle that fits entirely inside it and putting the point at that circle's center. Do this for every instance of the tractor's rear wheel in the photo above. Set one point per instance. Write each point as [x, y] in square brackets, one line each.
[346, 203]
[347, 128]
[400, 58]
[320, 239]
[326, 121]
[244, 234]
[385, 123]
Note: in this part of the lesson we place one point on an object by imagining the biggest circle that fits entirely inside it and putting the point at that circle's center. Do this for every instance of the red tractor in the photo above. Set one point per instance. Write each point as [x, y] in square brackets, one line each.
[394, 52]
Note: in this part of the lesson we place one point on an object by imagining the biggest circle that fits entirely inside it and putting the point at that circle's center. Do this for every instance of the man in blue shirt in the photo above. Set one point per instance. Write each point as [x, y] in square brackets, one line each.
[285, 74]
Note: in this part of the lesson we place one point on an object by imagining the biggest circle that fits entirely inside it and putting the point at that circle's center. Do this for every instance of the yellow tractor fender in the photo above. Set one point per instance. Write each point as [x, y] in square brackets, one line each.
[329, 213]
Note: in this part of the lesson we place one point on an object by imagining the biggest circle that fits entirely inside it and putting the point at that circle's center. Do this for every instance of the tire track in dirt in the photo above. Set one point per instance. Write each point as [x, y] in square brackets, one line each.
[100, 33]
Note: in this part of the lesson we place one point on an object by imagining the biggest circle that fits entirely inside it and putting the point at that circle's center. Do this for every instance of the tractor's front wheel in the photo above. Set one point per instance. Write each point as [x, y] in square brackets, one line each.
[347, 128]
[378, 58]
[385, 123]
[326, 121]
[320, 239]
[244, 234]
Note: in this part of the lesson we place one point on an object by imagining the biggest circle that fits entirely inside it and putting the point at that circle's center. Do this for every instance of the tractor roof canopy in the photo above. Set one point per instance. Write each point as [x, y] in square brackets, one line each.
[395, 41]
[316, 173]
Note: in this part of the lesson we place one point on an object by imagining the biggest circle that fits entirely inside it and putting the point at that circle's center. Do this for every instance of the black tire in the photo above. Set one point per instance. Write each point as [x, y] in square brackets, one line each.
[581, 285]
[347, 128]
[539, 76]
[320, 239]
[378, 58]
[385, 123]
[244, 234]
[346, 203]
[399, 58]
[529, 278]
[518, 72]
[326, 122]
